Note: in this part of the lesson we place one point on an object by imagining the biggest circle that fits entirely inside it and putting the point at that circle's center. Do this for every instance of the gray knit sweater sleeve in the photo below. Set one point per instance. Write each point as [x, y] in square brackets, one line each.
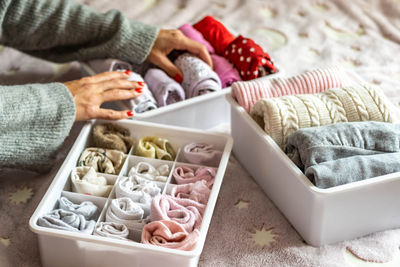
[63, 30]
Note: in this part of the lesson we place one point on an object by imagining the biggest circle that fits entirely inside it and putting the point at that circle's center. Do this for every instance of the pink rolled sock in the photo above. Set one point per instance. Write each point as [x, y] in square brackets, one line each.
[186, 175]
[186, 212]
[195, 35]
[169, 234]
[316, 81]
[197, 191]
[202, 154]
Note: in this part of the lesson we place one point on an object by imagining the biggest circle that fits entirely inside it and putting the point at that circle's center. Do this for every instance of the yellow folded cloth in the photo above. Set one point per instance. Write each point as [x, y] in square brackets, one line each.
[155, 147]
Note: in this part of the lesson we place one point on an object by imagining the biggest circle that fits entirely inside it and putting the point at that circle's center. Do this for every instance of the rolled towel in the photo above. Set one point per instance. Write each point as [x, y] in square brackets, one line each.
[190, 32]
[215, 33]
[186, 175]
[125, 211]
[197, 191]
[87, 209]
[169, 234]
[67, 220]
[166, 90]
[202, 154]
[155, 147]
[86, 181]
[282, 116]
[341, 153]
[103, 65]
[138, 190]
[186, 212]
[102, 160]
[227, 73]
[112, 136]
[147, 171]
[112, 230]
[198, 77]
[310, 82]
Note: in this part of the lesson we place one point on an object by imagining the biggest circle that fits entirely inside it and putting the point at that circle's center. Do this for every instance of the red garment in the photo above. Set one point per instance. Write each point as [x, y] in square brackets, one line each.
[215, 33]
[248, 58]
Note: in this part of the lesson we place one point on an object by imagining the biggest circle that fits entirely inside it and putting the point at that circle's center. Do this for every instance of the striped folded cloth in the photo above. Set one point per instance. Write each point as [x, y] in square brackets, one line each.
[247, 93]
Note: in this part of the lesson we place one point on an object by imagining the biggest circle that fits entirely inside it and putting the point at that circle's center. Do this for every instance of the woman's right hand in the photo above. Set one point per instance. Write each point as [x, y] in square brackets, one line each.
[90, 92]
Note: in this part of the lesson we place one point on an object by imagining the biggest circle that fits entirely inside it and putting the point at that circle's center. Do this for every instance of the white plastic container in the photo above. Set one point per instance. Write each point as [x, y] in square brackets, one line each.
[320, 216]
[63, 248]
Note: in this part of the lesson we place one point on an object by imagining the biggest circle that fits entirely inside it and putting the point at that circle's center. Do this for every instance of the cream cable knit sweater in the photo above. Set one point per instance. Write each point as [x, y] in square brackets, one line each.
[282, 116]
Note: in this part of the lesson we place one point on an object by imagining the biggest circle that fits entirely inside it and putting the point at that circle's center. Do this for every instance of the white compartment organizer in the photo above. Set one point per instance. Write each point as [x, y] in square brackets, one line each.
[320, 216]
[63, 248]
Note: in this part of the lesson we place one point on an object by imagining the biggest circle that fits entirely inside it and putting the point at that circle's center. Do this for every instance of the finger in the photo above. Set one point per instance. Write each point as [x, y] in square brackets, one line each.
[109, 114]
[109, 75]
[197, 49]
[120, 94]
[164, 63]
[118, 83]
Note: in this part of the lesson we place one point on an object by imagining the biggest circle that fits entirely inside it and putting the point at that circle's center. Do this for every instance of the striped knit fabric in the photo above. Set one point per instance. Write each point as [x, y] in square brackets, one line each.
[282, 116]
[319, 80]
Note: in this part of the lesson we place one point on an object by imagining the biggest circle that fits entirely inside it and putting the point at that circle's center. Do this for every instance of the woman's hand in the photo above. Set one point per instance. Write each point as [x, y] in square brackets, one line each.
[168, 40]
[90, 92]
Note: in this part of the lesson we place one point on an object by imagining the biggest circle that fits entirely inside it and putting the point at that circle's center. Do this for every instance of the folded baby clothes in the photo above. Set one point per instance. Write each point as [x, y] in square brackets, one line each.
[195, 35]
[103, 65]
[87, 209]
[112, 136]
[140, 191]
[202, 154]
[215, 33]
[186, 212]
[166, 90]
[198, 77]
[249, 58]
[67, 220]
[186, 175]
[102, 160]
[112, 230]
[125, 211]
[341, 153]
[197, 191]
[282, 116]
[85, 180]
[310, 82]
[147, 171]
[169, 234]
[227, 73]
[155, 147]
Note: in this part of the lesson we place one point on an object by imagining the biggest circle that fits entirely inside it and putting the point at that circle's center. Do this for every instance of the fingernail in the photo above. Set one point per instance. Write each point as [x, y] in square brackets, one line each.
[141, 83]
[129, 113]
[128, 72]
[178, 78]
[139, 90]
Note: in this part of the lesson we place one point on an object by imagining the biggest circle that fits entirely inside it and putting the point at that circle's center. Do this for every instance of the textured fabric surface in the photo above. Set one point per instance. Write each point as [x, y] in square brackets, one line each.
[85, 180]
[86, 208]
[112, 230]
[102, 160]
[155, 147]
[197, 191]
[186, 175]
[149, 172]
[190, 32]
[202, 154]
[112, 136]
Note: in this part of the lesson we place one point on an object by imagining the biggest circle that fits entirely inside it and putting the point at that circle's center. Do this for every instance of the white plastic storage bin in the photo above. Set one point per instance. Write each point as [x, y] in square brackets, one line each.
[320, 216]
[200, 112]
[63, 248]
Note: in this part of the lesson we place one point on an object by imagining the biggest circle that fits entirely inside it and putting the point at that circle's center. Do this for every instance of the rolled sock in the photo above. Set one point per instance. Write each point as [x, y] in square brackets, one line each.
[186, 175]
[112, 136]
[198, 77]
[112, 230]
[215, 33]
[169, 234]
[102, 160]
[197, 191]
[155, 147]
[195, 35]
[125, 211]
[86, 181]
[67, 220]
[87, 209]
[186, 212]
[202, 154]
[103, 65]
[147, 171]
[282, 116]
[227, 73]
[310, 82]
[165, 90]
[139, 191]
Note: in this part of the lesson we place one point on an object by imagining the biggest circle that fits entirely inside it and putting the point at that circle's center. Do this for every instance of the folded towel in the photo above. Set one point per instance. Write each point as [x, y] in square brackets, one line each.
[341, 153]
[195, 35]
[186, 175]
[86, 181]
[102, 160]
[112, 230]
[112, 136]
[155, 147]
[147, 171]
[197, 191]
[198, 77]
[67, 220]
[310, 82]
[87, 209]
[282, 116]
[166, 90]
[169, 234]
[227, 73]
[186, 212]
[202, 154]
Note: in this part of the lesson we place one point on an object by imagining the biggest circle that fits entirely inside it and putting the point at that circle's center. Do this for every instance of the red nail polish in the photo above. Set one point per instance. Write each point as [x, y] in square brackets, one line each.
[178, 78]
[141, 83]
[139, 90]
[128, 72]
[130, 113]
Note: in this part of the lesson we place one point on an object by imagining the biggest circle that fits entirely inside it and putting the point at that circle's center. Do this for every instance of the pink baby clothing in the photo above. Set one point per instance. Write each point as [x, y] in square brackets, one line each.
[195, 35]
[169, 234]
[202, 154]
[186, 175]
[197, 191]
